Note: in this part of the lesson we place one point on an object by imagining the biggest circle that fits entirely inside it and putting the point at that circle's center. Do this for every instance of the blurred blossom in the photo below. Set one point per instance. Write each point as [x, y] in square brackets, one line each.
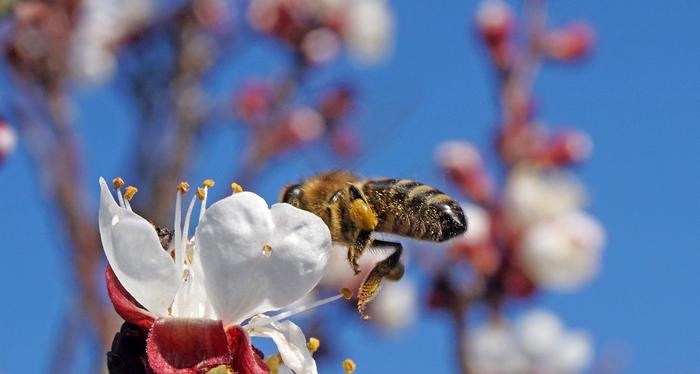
[396, 306]
[102, 27]
[573, 41]
[254, 101]
[320, 45]
[538, 343]
[563, 252]
[479, 224]
[567, 147]
[305, 124]
[369, 29]
[318, 28]
[464, 166]
[8, 139]
[532, 194]
[494, 20]
[493, 349]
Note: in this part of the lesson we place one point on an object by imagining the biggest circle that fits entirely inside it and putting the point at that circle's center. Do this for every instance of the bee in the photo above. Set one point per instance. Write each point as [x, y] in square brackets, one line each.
[354, 208]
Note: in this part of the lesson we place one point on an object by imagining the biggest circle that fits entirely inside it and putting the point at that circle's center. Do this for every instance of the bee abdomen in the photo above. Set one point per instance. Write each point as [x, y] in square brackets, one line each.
[409, 208]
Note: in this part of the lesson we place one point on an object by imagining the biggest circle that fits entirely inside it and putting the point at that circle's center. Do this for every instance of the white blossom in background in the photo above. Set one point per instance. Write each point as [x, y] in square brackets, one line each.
[479, 224]
[102, 25]
[564, 252]
[550, 348]
[8, 139]
[396, 306]
[532, 195]
[368, 30]
[538, 343]
[494, 349]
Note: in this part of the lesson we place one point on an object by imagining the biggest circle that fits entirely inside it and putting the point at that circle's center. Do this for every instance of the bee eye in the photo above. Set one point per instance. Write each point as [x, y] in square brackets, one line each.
[292, 194]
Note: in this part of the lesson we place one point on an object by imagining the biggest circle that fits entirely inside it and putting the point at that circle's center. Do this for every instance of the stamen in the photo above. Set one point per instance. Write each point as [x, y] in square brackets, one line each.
[203, 198]
[346, 292]
[291, 312]
[349, 366]
[130, 192]
[177, 241]
[186, 228]
[267, 250]
[313, 344]
[201, 192]
[120, 198]
[236, 188]
[208, 183]
[183, 187]
[118, 182]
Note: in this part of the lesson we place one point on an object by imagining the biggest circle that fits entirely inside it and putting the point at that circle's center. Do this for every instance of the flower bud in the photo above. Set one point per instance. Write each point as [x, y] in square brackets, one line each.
[253, 101]
[571, 42]
[494, 21]
[462, 163]
[566, 148]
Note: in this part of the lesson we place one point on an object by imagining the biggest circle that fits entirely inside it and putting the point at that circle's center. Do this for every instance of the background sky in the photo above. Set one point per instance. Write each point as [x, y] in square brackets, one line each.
[638, 97]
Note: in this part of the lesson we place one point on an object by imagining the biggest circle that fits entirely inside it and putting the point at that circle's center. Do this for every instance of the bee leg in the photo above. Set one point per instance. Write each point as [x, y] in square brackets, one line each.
[362, 241]
[390, 268]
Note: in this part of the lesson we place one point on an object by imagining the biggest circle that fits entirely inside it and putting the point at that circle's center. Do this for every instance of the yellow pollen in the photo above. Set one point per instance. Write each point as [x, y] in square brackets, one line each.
[274, 362]
[200, 193]
[236, 188]
[267, 250]
[208, 183]
[117, 182]
[170, 311]
[349, 366]
[183, 187]
[313, 344]
[130, 192]
[346, 292]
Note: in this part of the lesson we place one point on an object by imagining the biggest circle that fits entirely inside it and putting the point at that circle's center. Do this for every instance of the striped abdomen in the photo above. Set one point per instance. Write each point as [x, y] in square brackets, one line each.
[409, 208]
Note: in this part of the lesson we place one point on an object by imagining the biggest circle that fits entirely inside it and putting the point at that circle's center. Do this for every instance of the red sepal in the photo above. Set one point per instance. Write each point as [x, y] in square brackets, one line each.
[245, 360]
[125, 305]
[186, 346]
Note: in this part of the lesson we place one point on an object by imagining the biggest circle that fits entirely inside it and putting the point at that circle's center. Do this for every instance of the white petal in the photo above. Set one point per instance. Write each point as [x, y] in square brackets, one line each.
[539, 332]
[134, 253]
[191, 300]
[240, 279]
[291, 343]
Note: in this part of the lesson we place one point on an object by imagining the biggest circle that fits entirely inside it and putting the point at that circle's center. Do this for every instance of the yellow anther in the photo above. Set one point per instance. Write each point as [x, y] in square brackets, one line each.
[313, 344]
[208, 183]
[274, 362]
[267, 250]
[236, 188]
[117, 182]
[183, 187]
[130, 192]
[200, 193]
[349, 366]
[346, 292]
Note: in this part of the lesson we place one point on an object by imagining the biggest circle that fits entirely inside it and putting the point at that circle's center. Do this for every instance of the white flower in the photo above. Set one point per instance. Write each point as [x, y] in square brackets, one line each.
[563, 252]
[244, 259]
[368, 29]
[532, 195]
[538, 344]
[550, 348]
[396, 306]
[479, 224]
[493, 349]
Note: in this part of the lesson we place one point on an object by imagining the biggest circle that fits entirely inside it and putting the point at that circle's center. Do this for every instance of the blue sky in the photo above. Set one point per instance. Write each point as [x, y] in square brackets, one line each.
[638, 97]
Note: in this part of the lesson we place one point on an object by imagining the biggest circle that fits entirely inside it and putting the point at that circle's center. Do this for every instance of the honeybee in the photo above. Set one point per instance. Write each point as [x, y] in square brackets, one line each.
[354, 208]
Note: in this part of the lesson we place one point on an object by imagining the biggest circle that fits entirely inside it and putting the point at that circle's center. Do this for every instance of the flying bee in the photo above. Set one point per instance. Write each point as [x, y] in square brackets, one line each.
[354, 208]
